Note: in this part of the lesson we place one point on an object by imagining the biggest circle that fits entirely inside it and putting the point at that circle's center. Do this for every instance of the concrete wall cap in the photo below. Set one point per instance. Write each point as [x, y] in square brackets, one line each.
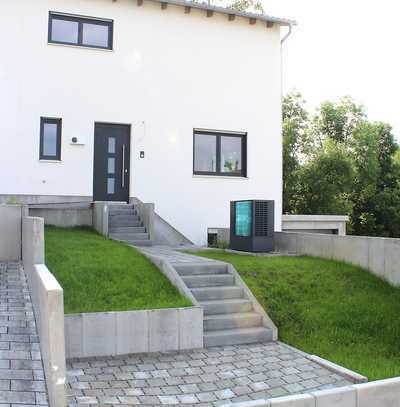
[297, 400]
[342, 371]
[315, 218]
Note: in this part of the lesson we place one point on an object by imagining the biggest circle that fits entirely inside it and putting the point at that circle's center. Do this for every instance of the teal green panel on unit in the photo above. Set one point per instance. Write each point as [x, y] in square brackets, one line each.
[243, 218]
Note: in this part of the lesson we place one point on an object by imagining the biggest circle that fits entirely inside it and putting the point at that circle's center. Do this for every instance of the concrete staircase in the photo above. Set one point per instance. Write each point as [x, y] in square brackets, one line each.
[229, 317]
[124, 224]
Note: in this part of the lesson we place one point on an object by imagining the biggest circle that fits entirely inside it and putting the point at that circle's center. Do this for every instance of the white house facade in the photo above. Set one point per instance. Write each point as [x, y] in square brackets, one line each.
[108, 100]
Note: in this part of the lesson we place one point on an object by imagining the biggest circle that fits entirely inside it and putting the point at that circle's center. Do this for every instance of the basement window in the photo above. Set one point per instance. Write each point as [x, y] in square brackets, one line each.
[50, 139]
[80, 31]
[219, 153]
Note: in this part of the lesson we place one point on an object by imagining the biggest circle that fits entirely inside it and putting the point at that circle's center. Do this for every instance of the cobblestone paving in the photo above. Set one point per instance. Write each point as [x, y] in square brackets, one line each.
[21, 370]
[204, 377]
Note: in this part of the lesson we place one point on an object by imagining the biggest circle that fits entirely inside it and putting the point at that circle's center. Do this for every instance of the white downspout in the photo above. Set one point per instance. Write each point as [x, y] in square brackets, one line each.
[287, 34]
[282, 41]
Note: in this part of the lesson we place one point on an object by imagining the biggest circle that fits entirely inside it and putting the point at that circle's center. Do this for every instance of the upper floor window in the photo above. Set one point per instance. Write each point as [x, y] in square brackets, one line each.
[219, 153]
[50, 139]
[80, 31]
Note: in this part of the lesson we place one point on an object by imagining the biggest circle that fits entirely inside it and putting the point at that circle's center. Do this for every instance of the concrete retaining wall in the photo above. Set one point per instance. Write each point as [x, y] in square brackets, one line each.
[160, 231]
[118, 333]
[64, 217]
[44, 199]
[48, 304]
[379, 255]
[383, 393]
[327, 224]
[100, 217]
[10, 232]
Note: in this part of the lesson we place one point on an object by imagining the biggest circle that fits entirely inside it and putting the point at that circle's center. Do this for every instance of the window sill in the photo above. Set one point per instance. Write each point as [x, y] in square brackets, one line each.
[236, 177]
[50, 161]
[80, 47]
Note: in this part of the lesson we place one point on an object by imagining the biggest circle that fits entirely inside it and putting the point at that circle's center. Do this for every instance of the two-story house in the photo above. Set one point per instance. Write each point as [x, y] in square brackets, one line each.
[172, 102]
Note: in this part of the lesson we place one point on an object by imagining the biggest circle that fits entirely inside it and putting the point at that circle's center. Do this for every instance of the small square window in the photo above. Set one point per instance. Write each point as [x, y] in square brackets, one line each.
[81, 31]
[50, 139]
[219, 153]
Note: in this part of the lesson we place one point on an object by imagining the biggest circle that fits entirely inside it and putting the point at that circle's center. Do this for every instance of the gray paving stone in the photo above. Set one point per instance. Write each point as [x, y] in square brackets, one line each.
[17, 397]
[21, 368]
[5, 384]
[188, 399]
[129, 400]
[168, 400]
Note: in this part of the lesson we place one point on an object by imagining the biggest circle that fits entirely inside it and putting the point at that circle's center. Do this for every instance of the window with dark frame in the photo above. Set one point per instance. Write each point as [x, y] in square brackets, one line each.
[80, 31]
[50, 139]
[219, 153]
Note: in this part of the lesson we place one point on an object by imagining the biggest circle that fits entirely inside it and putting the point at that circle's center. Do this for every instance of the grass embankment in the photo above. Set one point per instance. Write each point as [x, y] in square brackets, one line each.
[328, 308]
[98, 274]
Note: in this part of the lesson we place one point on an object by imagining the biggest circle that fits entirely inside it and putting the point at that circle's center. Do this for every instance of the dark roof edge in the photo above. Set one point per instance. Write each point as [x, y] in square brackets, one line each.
[229, 11]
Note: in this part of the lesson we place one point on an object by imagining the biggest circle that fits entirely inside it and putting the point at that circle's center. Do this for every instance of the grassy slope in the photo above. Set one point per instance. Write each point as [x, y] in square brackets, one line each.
[328, 308]
[103, 275]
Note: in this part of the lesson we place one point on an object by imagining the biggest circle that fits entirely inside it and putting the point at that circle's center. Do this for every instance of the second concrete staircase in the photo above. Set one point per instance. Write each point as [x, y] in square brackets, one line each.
[229, 316]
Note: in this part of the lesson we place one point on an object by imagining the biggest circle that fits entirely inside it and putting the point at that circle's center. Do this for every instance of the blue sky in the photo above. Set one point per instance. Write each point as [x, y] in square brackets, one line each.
[344, 47]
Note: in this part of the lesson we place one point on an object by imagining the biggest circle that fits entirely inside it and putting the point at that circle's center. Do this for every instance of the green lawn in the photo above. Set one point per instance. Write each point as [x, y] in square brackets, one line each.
[98, 274]
[328, 308]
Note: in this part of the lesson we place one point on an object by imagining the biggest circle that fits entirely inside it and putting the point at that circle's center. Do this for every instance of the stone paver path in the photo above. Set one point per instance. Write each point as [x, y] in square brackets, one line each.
[204, 377]
[174, 256]
[21, 370]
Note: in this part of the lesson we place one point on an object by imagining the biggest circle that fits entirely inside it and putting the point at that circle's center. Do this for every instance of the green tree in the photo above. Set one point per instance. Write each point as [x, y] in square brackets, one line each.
[325, 182]
[338, 120]
[252, 6]
[375, 189]
[295, 146]
[338, 162]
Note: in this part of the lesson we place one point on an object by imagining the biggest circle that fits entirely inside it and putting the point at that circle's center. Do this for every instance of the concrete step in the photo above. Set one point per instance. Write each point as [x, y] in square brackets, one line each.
[124, 223]
[140, 242]
[237, 336]
[226, 306]
[133, 229]
[123, 218]
[212, 280]
[217, 293]
[201, 269]
[232, 321]
[125, 211]
[122, 206]
[129, 236]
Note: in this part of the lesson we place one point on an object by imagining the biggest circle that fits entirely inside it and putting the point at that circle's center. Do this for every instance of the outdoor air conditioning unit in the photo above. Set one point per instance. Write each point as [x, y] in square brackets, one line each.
[252, 225]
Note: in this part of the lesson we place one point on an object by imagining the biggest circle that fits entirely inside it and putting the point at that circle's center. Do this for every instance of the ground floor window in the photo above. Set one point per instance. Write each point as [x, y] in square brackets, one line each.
[50, 138]
[219, 153]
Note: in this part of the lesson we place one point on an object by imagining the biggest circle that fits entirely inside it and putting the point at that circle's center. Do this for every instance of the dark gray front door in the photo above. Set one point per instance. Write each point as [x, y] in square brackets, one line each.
[111, 162]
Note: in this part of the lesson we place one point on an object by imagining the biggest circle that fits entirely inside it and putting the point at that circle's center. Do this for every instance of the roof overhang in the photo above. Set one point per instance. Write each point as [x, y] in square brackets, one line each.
[230, 12]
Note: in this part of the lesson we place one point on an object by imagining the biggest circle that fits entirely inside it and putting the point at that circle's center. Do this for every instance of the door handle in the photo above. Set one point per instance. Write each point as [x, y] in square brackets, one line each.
[123, 166]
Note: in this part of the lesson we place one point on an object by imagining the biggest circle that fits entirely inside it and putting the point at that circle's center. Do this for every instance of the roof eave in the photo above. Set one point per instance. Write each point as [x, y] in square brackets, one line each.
[229, 11]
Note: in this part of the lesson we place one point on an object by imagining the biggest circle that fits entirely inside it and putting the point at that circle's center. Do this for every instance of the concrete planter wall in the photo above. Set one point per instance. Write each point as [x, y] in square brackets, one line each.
[10, 232]
[48, 304]
[64, 217]
[118, 333]
[379, 255]
[383, 393]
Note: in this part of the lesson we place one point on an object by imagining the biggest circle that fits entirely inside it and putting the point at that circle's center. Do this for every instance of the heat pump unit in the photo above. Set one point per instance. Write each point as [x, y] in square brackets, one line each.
[252, 226]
